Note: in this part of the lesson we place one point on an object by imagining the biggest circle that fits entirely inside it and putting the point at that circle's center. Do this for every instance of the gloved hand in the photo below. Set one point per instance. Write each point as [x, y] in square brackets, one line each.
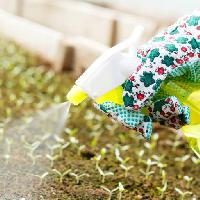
[174, 52]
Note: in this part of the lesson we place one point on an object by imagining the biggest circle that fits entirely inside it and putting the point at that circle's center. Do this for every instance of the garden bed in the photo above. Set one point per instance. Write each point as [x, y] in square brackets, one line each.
[32, 166]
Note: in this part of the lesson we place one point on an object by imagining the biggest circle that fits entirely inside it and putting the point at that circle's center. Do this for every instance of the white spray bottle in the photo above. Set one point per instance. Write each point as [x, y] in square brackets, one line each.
[103, 79]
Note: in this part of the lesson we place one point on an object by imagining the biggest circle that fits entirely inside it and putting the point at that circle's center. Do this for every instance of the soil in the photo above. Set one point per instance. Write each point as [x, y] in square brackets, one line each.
[26, 87]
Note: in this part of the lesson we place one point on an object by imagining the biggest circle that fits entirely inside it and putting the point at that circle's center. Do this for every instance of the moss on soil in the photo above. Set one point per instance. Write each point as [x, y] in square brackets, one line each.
[25, 86]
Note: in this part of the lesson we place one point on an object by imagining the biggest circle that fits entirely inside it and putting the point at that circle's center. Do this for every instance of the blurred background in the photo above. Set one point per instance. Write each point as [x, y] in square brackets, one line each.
[88, 27]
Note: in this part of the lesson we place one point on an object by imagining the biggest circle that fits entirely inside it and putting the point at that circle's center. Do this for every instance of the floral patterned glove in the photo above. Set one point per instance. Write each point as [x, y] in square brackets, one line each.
[174, 52]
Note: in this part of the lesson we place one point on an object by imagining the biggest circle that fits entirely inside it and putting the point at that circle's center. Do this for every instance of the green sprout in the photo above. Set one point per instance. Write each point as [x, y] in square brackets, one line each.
[41, 177]
[189, 180]
[62, 175]
[34, 157]
[121, 190]
[164, 177]
[110, 192]
[71, 132]
[182, 160]
[162, 190]
[78, 176]
[195, 160]
[52, 148]
[52, 159]
[140, 155]
[73, 141]
[80, 149]
[104, 174]
[97, 160]
[119, 158]
[63, 147]
[59, 139]
[147, 172]
[161, 166]
[152, 145]
[182, 194]
[126, 169]
[103, 152]
[30, 146]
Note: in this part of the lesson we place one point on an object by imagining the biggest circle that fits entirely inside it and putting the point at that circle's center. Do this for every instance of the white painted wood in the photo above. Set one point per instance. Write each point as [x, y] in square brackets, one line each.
[44, 42]
[126, 24]
[10, 5]
[85, 51]
[72, 18]
[163, 11]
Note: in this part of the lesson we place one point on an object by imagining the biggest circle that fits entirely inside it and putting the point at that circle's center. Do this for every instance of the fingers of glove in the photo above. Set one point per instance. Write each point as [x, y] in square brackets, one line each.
[178, 121]
[169, 112]
[145, 128]
[168, 56]
[132, 120]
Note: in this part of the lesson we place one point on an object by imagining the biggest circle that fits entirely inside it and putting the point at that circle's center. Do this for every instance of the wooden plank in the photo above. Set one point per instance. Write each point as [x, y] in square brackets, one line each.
[10, 5]
[44, 42]
[126, 24]
[84, 52]
[72, 18]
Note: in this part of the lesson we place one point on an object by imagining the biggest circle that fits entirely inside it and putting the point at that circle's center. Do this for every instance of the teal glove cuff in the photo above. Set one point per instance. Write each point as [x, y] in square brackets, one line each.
[166, 111]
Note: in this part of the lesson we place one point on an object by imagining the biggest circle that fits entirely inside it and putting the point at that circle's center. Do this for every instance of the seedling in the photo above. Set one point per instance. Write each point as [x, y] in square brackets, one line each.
[121, 189]
[71, 132]
[119, 158]
[103, 152]
[146, 174]
[78, 176]
[59, 139]
[164, 177]
[97, 161]
[31, 147]
[195, 160]
[153, 143]
[52, 159]
[52, 148]
[62, 147]
[148, 163]
[158, 158]
[104, 174]
[182, 194]
[140, 155]
[162, 190]
[189, 180]
[126, 169]
[34, 157]
[182, 160]
[73, 141]
[80, 148]
[62, 175]
[161, 166]
[110, 192]
[41, 177]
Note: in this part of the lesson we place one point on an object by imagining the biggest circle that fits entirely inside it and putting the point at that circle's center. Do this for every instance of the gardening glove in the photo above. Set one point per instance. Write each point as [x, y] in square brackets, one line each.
[174, 52]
